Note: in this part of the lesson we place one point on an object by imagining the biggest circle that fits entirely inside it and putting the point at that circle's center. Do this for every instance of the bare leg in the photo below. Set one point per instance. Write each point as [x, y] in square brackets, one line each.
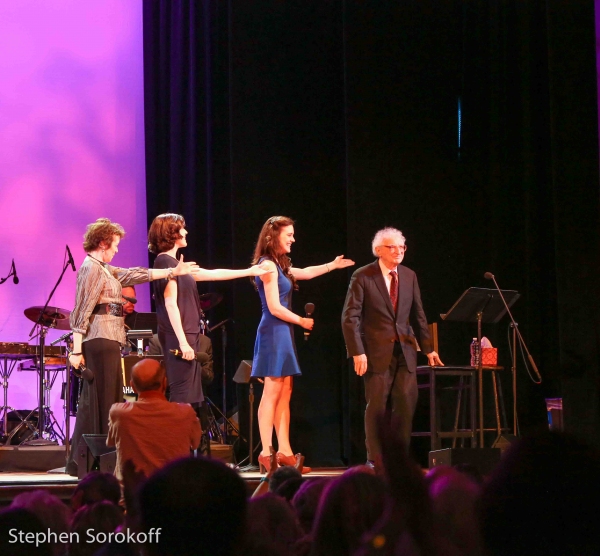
[282, 417]
[266, 411]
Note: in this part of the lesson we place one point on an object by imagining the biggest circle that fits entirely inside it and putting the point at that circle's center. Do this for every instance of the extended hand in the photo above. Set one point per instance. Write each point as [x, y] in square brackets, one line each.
[260, 269]
[434, 359]
[340, 262]
[185, 268]
[360, 364]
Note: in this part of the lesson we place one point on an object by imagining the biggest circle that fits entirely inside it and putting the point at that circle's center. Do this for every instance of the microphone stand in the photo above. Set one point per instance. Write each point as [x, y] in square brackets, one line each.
[42, 332]
[11, 273]
[223, 328]
[516, 333]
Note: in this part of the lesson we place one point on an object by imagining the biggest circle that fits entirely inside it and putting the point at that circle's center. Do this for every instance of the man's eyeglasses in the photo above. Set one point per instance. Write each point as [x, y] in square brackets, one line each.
[399, 248]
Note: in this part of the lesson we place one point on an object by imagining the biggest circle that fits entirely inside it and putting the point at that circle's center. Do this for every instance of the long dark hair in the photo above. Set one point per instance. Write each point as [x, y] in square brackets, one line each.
[268, 242]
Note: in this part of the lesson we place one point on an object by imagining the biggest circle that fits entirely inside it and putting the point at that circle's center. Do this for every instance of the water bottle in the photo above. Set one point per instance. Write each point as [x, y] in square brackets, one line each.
[475, 353]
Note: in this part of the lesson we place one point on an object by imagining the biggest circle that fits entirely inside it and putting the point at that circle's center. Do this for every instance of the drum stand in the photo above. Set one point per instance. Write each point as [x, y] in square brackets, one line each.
[7, 365]
[52, 429]
[43, 325]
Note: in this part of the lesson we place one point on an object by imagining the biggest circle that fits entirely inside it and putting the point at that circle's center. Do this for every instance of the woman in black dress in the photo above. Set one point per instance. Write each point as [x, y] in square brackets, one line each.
[98, 325]
[178, 307]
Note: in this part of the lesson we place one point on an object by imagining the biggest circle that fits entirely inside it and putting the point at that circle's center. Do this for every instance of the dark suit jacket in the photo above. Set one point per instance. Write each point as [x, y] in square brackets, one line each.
[369, 324]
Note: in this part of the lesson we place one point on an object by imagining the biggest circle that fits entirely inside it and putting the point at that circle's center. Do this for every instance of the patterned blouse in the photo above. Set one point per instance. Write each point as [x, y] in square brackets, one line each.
[99, 282]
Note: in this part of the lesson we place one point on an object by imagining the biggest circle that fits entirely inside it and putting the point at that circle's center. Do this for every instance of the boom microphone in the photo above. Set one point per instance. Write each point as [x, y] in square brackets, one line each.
[201, 356]
[71, 261]
[488, 276]
[309, 309]
[63, 337]
[14, 270]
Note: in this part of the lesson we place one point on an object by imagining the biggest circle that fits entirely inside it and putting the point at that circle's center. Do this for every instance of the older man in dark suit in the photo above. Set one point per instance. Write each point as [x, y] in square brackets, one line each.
[382, 312]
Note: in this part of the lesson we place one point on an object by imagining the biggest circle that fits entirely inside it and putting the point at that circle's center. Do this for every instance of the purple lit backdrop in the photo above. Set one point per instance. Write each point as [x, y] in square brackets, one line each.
[72, 150]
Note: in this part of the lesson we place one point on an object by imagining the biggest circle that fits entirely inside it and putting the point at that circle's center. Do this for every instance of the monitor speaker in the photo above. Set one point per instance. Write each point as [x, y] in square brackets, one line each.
[94, 455]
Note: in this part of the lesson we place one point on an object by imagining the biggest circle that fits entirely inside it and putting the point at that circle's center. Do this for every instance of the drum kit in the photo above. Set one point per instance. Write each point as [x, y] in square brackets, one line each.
[39, 424]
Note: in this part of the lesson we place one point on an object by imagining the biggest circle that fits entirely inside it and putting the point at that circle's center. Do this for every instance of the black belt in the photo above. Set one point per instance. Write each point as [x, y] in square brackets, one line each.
[114, 309]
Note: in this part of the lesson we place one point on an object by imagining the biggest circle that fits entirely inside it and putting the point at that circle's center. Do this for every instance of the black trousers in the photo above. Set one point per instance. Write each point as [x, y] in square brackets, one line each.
[394, 390]
[103, 358]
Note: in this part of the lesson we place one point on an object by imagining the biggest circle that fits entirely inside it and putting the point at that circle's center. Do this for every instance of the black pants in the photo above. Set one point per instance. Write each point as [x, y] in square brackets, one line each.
[103, 358]
[396, 390]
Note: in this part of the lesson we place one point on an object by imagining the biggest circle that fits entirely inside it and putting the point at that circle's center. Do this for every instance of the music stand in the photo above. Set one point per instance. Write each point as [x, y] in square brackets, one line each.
[480, 305]
[243, 375]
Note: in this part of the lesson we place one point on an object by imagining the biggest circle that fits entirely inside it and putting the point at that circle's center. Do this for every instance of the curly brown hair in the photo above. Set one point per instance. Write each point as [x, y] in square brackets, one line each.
[267, 242]
[101, 231]
[164, 232]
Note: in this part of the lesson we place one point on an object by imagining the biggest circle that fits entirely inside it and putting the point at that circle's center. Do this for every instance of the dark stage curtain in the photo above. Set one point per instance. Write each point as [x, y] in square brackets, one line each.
[345, 116]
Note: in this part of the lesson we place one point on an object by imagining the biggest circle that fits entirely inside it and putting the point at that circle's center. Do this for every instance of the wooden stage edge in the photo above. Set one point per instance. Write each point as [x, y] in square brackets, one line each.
[62, 485]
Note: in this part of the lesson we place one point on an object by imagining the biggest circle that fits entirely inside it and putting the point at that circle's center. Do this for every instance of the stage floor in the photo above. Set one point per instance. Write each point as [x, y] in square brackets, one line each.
[13, 483]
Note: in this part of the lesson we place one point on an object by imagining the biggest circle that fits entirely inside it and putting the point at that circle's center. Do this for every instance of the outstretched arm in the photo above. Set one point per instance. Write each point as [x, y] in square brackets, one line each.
[205, 275]
[314, 271]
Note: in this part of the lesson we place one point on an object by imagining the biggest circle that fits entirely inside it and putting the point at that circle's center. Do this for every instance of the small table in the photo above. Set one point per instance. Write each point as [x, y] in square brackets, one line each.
[463, 372]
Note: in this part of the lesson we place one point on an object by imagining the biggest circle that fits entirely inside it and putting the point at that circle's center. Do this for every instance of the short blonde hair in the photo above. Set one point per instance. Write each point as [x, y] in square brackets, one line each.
[386, 232]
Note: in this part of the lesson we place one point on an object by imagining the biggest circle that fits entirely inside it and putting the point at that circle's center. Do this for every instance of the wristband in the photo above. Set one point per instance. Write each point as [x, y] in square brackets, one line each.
[327, 267]
[264, 479]
[170, 274]
[72, 353]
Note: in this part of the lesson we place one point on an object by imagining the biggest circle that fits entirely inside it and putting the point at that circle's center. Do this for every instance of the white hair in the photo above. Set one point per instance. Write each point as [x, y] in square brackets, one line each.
[387, 232]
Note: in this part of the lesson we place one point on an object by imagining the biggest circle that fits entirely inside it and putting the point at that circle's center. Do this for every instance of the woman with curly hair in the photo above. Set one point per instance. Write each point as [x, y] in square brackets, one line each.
[178, 307]
[275, 357]
[98, 325]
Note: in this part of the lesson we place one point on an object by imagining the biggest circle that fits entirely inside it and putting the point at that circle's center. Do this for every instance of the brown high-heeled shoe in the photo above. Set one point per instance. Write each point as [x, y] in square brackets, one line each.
[282, 459]
[264, 463]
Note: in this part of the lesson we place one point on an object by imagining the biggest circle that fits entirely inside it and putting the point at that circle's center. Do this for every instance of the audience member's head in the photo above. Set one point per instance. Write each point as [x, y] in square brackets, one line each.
[361, 469]
[288, 488]
[349, 506]
[102, 518]
[199, 505]
[543, 499]
[470, 471]
[148, 374]
[17, 521]
[273, 528]
[95, 487]
[282, 474]
[454, 496]
[50, 510]
[306, 501]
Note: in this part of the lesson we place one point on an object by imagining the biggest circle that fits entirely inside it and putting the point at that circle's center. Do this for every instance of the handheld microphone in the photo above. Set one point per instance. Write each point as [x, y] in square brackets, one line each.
[309, 309]
[63, 337]
[488, 276]
[130, 299]
[82, 371]
[201, 356]
[71, 261]
[14, 270]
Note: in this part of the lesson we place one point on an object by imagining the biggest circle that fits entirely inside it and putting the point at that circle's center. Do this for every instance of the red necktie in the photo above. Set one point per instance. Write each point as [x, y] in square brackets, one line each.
[394, 290]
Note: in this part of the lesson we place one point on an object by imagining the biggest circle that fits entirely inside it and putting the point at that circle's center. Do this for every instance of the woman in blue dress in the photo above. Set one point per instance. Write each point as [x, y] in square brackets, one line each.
[275, 358]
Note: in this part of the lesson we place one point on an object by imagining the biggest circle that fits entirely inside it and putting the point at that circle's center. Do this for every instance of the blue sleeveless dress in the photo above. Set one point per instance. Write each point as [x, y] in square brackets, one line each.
[274, 349]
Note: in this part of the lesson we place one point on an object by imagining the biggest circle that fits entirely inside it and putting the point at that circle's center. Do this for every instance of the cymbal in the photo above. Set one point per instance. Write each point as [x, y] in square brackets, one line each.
[210, 300]
[53, 317]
